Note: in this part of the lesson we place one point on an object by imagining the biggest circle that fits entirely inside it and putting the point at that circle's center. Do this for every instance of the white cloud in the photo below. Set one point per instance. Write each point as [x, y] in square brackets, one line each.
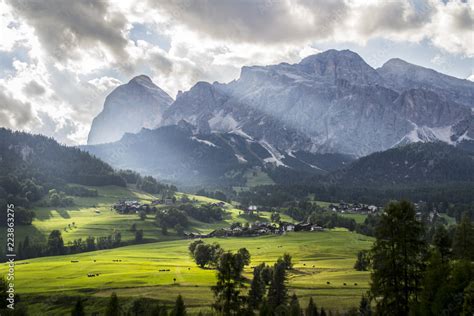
[452, 27]
[77, 52]
[14, 113]
[104, 83]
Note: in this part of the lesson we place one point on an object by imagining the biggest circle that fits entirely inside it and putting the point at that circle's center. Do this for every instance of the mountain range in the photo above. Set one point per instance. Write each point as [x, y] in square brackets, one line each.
[331, 106]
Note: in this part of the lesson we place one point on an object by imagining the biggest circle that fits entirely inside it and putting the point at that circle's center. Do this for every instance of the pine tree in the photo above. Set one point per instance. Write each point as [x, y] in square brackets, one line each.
[295, 308]
[468, 306]
[364, 307]
[398, 260]
[442, 242]
[113, 309]
[55, 243]
[435, 293]
[138, 307]
[228, 300]
[312, 309]
[463, 243]
[78, 309]
[264, 309]
[323, 312]
[179, 307]
[277, 292]
[257, 288]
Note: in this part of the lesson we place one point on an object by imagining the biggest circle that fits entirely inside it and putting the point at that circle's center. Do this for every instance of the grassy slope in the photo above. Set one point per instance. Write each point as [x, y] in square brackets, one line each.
[89, 222]
[332, 253]
[359, 218]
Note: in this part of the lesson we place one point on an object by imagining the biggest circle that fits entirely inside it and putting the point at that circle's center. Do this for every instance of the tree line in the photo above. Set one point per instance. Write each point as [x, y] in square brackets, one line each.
[55, 245]
[455, 199]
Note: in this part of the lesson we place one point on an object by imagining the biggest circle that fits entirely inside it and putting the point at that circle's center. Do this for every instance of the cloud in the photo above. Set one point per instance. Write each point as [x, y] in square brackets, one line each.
[452, 27]
[447, 24]
[61, 129]
[265, 21]
[33, 88]
[67, 28]
[104, 83]
[13, 112]
[61, 58]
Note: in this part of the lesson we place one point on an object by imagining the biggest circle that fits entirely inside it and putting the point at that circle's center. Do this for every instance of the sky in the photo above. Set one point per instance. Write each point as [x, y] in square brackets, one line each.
[59, 59]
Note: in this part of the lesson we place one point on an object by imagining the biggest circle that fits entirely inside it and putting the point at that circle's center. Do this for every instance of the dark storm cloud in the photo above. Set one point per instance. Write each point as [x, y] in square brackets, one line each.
[63, 27]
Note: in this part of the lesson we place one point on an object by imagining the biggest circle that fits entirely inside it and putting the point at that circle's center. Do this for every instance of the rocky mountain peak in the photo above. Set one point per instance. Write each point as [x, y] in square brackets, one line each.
[128, 108]
[343, 64]
[331, 102]
[142, 79]
[399, 74]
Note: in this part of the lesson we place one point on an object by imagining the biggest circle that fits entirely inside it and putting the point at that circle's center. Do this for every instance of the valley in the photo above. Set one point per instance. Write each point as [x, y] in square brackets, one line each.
[324, 182]
[319, 257]
[331, 253]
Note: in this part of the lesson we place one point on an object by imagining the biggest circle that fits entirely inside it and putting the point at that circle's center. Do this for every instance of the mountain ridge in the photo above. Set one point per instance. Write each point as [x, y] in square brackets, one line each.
[128, 108]
[328, 103]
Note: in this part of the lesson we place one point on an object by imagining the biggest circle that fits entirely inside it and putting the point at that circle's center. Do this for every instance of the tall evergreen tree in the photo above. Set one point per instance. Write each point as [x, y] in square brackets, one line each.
[113, 308]
[463, 243]
[228, 300]
[364, 307]
[161, 311]
[363, 261]
[442, 242]
[78, 309]
[264, 309]
[323, 312]
[312, 309]
[139, 307]
[55, 243]
[277, 292]
[461, 276]
[398, 260]
[257, 288]
[468, 306]
[295, 308]
[435, 293]
[179, 307]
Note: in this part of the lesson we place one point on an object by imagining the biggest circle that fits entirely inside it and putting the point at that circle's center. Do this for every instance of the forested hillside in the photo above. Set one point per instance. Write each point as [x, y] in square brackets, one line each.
[31, 165]
[418, 163]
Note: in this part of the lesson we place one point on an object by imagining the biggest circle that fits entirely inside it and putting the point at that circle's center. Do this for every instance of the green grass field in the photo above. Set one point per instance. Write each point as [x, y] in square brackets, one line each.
[93, 216]
[50, 285]
[319, 257]
[359, 218]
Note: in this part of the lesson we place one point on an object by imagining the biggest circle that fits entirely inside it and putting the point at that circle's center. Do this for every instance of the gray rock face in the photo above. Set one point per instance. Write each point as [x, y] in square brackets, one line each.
[128, 109]
[332, 102]
[401, 75]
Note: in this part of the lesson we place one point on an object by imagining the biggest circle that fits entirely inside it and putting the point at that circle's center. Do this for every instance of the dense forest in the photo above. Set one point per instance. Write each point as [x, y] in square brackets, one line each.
[32, 165]
[453, 199]
[417, 163]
